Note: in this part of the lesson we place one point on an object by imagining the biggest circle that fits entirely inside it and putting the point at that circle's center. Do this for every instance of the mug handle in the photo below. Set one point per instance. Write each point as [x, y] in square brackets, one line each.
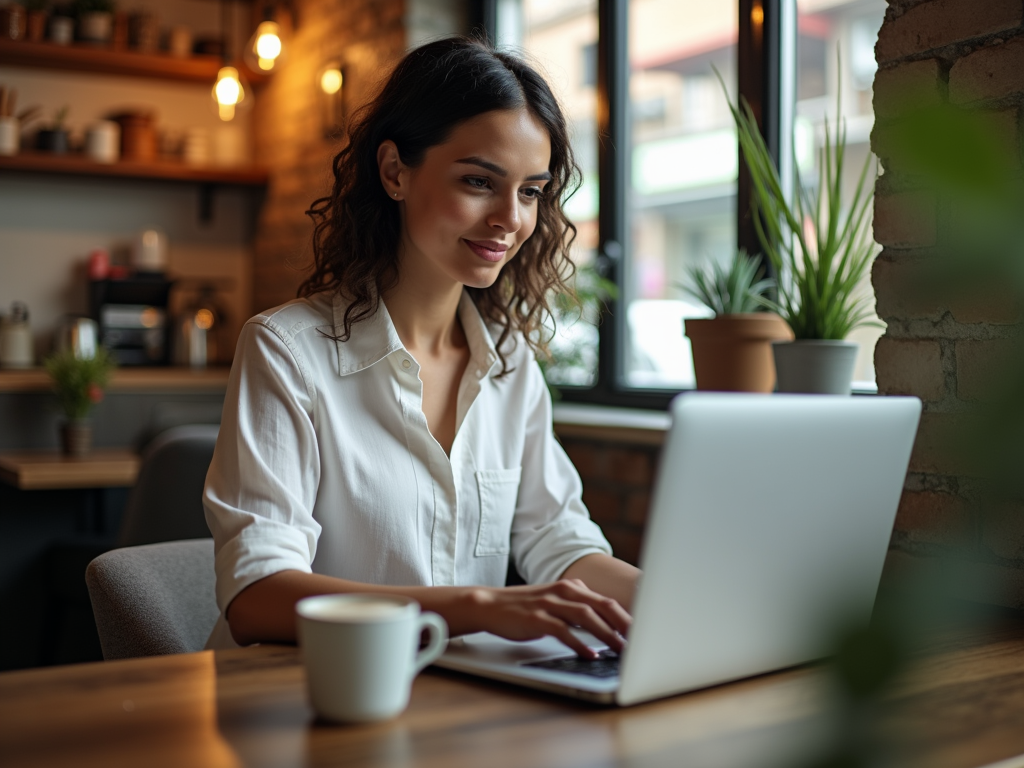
[438, 639]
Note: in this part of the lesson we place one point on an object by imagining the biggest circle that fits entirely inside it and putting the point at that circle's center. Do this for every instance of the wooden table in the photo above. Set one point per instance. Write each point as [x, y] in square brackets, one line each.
[962, 706]
[39, 470]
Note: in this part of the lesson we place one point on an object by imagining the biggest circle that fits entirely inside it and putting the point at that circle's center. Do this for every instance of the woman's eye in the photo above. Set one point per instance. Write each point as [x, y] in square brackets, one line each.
[477, 182]
[532, 193]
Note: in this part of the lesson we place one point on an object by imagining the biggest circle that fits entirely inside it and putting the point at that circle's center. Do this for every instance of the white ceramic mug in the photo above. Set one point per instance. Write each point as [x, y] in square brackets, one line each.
[360, 653]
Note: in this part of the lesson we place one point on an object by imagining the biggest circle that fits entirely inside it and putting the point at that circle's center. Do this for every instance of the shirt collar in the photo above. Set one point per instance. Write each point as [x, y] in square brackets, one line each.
[375, 338]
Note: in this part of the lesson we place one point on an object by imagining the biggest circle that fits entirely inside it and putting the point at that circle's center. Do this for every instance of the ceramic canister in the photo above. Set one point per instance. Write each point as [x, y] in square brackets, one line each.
[16, 349]
[103, 141]
[10, 136]
[150, 251]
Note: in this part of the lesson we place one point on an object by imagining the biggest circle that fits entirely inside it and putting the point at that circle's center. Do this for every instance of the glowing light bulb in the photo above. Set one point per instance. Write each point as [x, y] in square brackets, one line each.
[268, 45]
[204, 319]
[265, 50]
[228, 92]
[330, 80]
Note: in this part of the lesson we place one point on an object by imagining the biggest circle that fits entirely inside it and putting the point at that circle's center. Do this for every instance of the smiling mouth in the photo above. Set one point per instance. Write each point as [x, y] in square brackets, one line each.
[487, 249]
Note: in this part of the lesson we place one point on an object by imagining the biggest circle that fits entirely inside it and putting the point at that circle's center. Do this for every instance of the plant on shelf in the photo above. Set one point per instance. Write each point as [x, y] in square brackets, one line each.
[820, 249]
[54, 138]
[732, 351]
[78, 383]
[739, 289]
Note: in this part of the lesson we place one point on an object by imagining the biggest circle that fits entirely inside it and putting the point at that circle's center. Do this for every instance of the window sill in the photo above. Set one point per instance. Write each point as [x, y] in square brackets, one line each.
[609, 424]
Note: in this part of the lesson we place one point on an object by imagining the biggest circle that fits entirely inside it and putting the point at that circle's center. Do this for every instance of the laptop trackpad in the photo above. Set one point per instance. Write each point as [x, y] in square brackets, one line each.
[485, 647]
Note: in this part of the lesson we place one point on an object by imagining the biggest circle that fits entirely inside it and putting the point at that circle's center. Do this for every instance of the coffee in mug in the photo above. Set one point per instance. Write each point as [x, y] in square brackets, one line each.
[361, 653]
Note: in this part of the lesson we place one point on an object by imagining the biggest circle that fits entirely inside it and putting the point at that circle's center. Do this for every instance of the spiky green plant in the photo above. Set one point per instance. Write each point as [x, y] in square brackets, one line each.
[818, 271]
[730, 291]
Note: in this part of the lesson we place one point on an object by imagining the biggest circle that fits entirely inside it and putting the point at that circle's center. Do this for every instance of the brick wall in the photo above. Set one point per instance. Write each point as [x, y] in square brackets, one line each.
[969, 54]
[617, 474]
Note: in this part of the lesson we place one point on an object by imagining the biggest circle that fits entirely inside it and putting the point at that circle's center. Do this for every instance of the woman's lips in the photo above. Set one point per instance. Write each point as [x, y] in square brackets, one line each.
[487, 249]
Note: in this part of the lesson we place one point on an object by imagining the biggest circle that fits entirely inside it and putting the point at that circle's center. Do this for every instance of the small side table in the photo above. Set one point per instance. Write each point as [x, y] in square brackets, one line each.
[43, 470]
[93, 473]
[47, 470]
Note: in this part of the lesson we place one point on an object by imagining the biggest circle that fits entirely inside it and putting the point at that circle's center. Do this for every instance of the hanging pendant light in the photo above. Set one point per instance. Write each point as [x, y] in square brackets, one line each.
[264, 52]
[230, 93]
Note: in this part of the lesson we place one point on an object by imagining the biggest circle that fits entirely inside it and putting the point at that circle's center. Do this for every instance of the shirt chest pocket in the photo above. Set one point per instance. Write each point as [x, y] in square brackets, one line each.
[498, 489]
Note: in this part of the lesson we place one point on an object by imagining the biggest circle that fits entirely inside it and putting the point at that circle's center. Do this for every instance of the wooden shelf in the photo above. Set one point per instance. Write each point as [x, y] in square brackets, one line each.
[169, 379]
[78, 165]
[84, 58]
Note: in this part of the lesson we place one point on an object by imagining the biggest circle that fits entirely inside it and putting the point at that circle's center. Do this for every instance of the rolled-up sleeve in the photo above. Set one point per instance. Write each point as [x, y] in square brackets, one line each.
[552, 528]
[262, 483]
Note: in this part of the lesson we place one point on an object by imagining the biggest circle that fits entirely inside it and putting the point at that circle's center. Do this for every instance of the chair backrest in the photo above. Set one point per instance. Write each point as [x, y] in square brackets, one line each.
[166, 503]
[154, 599]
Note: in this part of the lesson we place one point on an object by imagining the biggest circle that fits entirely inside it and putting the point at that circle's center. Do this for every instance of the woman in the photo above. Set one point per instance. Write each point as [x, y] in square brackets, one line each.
[390, 431]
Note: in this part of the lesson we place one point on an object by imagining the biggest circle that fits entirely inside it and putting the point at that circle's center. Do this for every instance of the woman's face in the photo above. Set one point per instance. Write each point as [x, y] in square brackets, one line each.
[472, 202]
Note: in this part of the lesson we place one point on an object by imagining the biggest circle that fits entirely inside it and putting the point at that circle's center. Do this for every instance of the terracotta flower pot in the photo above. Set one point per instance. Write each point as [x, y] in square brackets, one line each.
[76, 437]
[734, 352]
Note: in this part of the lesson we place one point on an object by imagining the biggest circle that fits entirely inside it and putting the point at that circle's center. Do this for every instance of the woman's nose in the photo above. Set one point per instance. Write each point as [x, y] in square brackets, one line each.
[505, 215]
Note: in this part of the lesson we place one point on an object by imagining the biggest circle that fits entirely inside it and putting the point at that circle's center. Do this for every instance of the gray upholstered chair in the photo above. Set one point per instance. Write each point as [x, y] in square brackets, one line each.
[153, 599]
[166, 503]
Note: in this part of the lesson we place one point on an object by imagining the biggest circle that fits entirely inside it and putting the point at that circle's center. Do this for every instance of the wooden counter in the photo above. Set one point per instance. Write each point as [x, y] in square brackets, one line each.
[166, 379]
[962, 707]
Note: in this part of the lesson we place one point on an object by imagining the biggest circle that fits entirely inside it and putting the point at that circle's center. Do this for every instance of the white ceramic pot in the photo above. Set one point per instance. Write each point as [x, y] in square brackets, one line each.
[10, 136]
[815, 366]
[103, 141]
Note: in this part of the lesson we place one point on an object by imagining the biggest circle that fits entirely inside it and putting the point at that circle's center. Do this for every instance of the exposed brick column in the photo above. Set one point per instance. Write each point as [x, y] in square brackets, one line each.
[968, 53]
[367, 36]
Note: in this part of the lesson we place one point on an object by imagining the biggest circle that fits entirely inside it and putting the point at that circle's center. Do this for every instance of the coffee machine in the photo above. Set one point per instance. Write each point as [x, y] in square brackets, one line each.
[133, 318]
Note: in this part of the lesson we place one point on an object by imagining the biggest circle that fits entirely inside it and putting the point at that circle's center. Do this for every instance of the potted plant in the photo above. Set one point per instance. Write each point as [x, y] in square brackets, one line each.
[55, 138]
[78, 383]
[571, 330]
[95, 20]
[732, 350]
[820, 251]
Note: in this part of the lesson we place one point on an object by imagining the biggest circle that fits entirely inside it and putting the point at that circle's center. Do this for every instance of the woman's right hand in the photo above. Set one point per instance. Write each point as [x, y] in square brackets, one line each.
[532, 612]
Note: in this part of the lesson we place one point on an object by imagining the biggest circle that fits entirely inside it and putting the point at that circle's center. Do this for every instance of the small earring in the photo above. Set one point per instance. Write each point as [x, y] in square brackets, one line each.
[396, 195]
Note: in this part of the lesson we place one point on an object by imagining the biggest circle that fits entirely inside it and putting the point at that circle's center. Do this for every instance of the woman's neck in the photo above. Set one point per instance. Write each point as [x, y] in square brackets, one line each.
[425, 317]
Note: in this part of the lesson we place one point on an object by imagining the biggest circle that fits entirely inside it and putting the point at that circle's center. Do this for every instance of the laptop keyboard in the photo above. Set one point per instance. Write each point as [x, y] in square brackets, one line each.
[605, 665]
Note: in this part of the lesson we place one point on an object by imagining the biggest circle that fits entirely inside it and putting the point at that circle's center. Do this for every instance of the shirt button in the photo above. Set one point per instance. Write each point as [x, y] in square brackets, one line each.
[406, 364]
[479, 373]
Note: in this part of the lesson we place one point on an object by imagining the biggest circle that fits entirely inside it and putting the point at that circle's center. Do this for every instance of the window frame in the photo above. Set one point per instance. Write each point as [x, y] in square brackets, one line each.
[761, 73]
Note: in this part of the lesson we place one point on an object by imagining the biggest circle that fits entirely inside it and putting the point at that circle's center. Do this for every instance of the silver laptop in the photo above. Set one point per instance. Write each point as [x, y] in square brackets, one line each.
[769, 526]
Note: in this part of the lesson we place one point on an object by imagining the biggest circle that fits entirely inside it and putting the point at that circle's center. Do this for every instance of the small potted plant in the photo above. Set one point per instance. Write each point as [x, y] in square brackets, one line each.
[572, 333]
[55, 138]
[78, 383]
[822, 249]
[732, 350]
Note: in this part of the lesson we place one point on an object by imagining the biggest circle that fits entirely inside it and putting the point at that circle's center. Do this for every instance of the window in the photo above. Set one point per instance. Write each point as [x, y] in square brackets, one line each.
[669, 162]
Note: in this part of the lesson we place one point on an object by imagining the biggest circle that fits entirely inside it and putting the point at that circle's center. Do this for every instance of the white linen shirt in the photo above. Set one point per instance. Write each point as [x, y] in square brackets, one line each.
[325, 464]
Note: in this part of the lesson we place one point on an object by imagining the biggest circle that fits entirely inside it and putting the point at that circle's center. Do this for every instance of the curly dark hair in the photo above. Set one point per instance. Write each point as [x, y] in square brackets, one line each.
[357, 227]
